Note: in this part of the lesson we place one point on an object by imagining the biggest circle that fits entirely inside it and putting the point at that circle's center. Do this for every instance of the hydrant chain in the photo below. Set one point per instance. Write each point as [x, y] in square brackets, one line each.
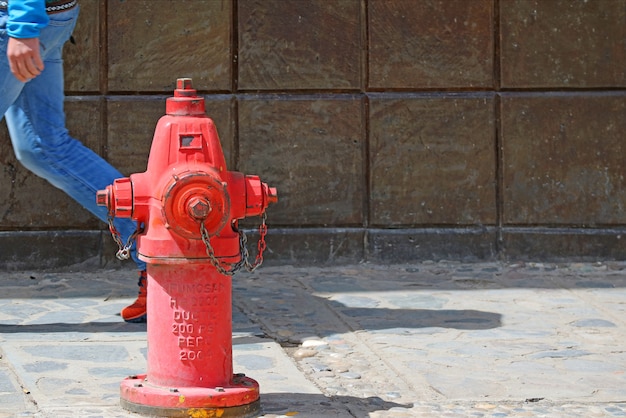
[121, 255]
[123, 252]
[261, 245]
[211, 253]
[243, 248]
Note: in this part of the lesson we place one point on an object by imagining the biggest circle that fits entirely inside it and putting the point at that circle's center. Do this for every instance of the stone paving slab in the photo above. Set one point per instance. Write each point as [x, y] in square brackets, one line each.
[423, 340]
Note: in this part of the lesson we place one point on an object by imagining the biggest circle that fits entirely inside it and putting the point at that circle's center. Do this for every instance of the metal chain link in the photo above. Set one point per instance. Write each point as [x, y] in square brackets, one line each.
[243, 250]
[261, 245]
[123, 253]
[204, 234]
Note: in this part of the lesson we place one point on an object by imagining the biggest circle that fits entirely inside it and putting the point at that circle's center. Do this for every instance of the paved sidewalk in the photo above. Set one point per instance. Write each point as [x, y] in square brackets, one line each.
[422, 340]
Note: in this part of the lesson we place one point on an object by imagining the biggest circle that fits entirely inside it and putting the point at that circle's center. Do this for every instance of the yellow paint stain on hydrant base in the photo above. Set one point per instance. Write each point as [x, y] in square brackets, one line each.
[204, 413]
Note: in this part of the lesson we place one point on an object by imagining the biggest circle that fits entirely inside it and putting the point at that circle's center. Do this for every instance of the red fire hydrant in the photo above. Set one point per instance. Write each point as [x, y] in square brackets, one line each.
[189, 206]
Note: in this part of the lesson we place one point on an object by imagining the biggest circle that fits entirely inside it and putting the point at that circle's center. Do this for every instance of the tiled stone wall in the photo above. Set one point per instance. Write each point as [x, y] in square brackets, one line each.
[394, 130]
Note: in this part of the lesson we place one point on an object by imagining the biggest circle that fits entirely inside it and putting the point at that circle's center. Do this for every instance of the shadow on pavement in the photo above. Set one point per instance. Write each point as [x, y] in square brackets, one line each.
[463, 319]
[86, 327]
[318, 405]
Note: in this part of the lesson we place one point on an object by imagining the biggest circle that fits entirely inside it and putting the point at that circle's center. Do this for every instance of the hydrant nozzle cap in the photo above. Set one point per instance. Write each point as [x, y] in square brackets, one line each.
[199, 208]
[103, 197]
[272, 195]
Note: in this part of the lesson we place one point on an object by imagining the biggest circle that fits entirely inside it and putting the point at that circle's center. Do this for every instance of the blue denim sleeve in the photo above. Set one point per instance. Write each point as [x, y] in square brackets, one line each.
[26, 18]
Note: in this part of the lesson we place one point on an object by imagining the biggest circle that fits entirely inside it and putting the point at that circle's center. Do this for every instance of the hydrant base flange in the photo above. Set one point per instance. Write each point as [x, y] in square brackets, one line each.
[240, 399]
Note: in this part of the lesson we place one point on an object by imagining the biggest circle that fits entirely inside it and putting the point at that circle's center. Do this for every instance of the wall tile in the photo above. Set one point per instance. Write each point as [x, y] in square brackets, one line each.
[40, 250]
[562, 244]
[309, 246]
[151, 43]
[311, 150]
[83, 117]
[432, 161]
[130, 127]
[294, 44]
[221, 109]
[406, 245]
[563, 43]
[430, 44]
[563, 159]
[82, 57]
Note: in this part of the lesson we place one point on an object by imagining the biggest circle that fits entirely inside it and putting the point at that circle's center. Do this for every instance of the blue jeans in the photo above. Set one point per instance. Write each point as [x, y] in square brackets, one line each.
[36, 121]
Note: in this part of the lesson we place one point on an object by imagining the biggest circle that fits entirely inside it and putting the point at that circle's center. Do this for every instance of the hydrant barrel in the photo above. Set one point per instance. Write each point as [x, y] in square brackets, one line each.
[189, 205]
[196, 302]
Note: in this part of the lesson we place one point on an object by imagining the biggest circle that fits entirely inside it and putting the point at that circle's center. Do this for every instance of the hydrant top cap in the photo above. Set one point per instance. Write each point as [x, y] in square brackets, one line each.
[185, 101]
[184, 88]
[183, 83]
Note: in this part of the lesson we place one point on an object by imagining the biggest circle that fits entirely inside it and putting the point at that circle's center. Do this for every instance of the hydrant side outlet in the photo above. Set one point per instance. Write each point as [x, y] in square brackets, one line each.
[189, 205]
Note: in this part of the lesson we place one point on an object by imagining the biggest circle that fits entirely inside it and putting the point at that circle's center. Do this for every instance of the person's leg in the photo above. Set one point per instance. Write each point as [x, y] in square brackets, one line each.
[36, 122]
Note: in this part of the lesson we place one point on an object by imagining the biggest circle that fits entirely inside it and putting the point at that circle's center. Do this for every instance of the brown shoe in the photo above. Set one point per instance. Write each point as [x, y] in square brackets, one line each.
[136, 312]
